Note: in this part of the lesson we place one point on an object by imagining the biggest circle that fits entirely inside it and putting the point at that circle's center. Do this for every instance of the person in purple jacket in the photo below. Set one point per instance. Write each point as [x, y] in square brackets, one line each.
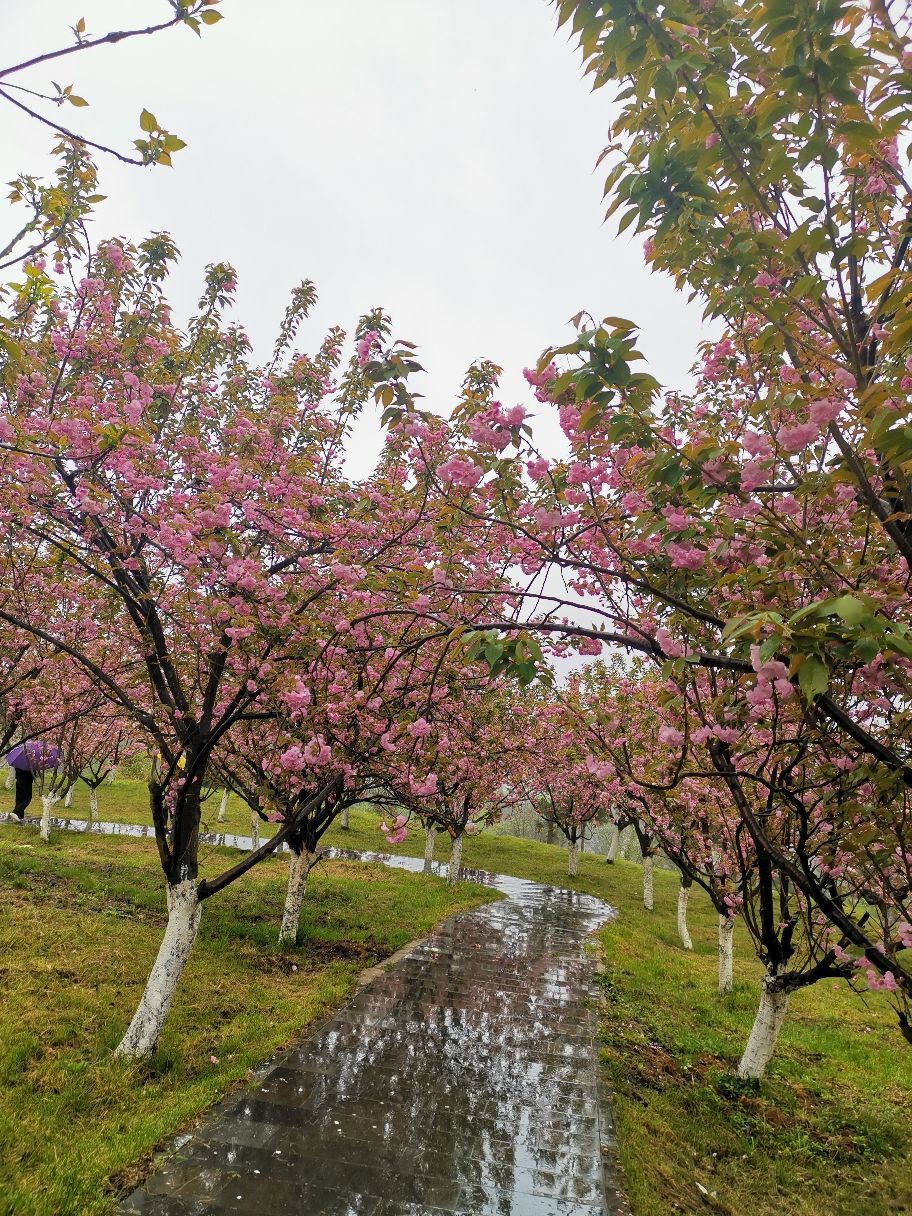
[27, 759]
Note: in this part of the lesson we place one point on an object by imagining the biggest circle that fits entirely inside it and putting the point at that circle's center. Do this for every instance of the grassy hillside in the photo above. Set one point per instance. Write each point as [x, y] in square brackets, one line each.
[80, 924]
[828, 1131]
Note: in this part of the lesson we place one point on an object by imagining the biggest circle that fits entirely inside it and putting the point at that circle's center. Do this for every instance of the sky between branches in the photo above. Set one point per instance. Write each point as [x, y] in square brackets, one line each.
[435, 157]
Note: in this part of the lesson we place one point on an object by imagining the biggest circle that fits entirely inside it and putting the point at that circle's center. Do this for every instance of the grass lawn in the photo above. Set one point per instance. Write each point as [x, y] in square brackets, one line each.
[80, 923]
[828, 1133]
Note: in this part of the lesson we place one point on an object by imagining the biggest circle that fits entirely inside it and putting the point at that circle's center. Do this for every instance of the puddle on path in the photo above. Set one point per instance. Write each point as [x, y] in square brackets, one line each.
[463, 1080]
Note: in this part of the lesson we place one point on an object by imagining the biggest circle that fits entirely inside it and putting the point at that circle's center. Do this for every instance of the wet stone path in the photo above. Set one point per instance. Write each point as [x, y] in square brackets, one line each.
[462, 1079]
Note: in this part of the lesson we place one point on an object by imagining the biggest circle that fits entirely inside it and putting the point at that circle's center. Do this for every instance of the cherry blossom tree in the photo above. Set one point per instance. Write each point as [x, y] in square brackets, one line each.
[456, 769]
[569, 788]
[196, 503]
[748, 537]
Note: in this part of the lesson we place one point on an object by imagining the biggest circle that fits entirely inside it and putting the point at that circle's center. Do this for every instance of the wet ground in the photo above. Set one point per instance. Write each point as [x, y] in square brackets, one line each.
[462, 1079]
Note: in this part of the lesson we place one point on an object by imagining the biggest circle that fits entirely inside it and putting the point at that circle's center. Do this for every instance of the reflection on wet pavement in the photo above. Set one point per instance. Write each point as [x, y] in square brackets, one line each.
[461, 1080]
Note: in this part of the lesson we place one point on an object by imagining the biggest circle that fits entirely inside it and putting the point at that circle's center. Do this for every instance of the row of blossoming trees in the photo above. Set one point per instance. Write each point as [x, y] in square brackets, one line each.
[186, 557]
[750, 540]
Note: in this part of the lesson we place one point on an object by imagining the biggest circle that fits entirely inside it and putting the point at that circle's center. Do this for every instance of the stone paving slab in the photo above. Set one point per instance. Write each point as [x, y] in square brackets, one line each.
[462, 1080]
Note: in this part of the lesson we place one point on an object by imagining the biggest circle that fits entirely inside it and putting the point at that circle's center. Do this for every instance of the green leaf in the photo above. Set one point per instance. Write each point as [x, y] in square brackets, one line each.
[493, 652]
[210, 16]
[147, 122]
[849, 609]
[813, 677]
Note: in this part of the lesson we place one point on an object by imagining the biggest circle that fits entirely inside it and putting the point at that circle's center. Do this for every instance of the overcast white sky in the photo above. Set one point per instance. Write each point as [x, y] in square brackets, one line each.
[435, 157]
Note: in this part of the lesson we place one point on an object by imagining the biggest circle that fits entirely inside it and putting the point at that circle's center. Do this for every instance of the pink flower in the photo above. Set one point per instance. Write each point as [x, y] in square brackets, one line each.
[685, 557]
[825, 411]
[293, 760]
[316, 752]
[670, 736]
[727, 734]
[423, 789]
[541, 380]
[670, 646]
[460, 473]
[769, 669]
[634, 502]
[365, 347]
[754, 473]
[795, 438]
[675, 518]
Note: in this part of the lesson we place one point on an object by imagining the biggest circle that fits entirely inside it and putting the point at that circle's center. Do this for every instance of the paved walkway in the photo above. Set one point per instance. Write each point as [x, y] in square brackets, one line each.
[460, 1080]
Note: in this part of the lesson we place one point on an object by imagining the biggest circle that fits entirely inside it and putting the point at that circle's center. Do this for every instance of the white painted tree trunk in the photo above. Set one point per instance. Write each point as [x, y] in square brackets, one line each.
[683, 900]
[343, 819]
[430, 835]
[614, 842]
[254, 831]
[68, 801]
[455, 861]
[572, 858]
[93, 805]
[183, 923]
[112, 773]
[298, 870]
[647, 884]
[765, 1031]
[10, 779]
[47, 805]
[223, 806]
[726, 953]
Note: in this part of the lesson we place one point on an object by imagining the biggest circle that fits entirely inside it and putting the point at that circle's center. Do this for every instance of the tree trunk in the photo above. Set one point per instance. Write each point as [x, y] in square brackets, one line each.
[765, 1031]
[572, 858]
[343, 819]
[223, 806]
[455, 861]
[726, 950]
[430, 835]
[111, 775]
[549, 838]
[10, 779]
[254, 831]
[298, 871]
[68, 801]
[93, 805]
[47, 805]
[683, 900]
[626, 836]
[183, 922]
[614, 842]
[647, 883]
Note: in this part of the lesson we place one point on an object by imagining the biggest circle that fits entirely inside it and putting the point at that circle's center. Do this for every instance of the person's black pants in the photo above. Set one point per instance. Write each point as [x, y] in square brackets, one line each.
[24, 782]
